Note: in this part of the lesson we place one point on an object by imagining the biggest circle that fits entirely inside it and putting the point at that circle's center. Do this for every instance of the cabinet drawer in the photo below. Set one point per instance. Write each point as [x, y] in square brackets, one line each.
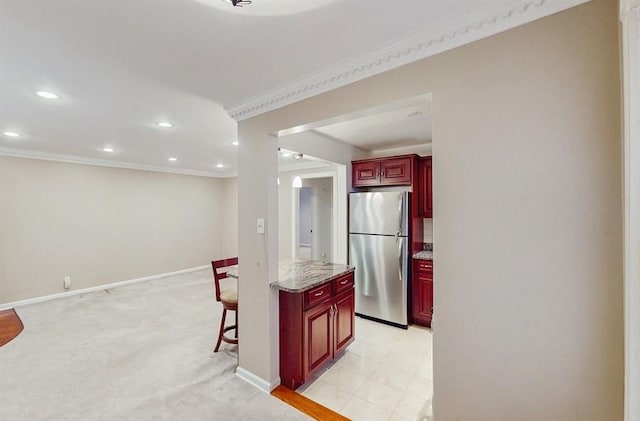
[317, 295]
[343, 283]
[423, 265]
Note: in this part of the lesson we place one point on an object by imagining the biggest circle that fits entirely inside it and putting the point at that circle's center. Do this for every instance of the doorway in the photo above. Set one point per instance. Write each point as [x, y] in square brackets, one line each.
[313, 222]
[387, 372]
[305, 231]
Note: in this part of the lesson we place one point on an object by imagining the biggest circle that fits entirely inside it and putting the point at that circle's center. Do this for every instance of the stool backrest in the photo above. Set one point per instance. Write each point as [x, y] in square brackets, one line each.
[219, 273]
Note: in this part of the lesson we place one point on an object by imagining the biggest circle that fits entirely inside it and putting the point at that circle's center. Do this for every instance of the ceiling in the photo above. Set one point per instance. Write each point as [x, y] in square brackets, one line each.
[121, 66]
[394, 127]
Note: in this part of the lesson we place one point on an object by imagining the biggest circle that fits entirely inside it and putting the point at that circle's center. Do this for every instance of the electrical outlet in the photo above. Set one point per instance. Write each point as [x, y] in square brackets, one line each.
[67, 282]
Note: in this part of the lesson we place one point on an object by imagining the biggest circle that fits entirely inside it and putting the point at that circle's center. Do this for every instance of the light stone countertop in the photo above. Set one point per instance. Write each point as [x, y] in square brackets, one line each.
[298, 275]
[423, 255]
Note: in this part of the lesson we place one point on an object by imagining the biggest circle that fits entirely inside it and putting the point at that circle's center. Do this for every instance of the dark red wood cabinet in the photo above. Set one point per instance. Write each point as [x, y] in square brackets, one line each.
[422, 292]
[366, 173]
[317, 336]
[383, 171]
[425, 186]
[315, 327]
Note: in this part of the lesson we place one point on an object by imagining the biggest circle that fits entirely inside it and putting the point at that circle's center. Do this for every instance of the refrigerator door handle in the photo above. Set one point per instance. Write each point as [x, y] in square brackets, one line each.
[401, 213]
[399, 240]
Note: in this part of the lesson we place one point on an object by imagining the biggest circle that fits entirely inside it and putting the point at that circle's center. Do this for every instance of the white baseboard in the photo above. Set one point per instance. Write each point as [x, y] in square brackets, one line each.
[13, 304]
[256, 381]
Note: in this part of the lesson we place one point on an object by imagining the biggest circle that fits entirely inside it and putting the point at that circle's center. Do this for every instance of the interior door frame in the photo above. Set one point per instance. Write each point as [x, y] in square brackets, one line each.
[335, 214]
[630, 18]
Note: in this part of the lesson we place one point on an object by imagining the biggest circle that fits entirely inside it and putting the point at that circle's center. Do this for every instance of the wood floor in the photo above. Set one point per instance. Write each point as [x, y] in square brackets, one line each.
[306, 405]
[10, 326]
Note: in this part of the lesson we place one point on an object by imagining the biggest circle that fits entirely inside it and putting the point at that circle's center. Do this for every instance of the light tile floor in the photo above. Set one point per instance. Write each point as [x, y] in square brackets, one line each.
[386, 374]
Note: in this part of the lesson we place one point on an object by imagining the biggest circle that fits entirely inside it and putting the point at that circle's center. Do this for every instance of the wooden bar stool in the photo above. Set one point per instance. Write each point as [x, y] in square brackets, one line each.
[229, 299]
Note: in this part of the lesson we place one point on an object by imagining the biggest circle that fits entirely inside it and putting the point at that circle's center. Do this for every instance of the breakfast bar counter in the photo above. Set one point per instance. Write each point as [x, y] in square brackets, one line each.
[317, 316]
[299, 275]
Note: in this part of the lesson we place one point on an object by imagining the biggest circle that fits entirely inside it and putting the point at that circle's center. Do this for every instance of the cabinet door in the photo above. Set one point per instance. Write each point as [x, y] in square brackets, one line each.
[344, 320]
[422, 297]
[366, 173]
[396, 171]
[318, 336]
[425, 201]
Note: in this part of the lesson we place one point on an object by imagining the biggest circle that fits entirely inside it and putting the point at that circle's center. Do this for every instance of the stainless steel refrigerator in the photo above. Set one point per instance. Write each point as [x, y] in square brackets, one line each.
[378, 248]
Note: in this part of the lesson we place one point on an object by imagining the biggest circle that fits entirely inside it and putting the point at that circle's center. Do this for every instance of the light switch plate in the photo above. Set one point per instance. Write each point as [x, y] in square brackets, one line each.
[260, 226]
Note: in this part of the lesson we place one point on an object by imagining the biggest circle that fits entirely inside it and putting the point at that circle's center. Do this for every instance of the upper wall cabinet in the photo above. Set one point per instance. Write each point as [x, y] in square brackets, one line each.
[384, 171]
[425, 186]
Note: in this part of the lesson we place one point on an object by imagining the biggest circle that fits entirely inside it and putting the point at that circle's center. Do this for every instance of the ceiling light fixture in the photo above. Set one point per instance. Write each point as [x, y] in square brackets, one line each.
[235, 143]
[239, 3]
[47, 95]
[220, 166]
[172, 159]
[297, 182]
[165, 124]
[108, 149]
[11, 134]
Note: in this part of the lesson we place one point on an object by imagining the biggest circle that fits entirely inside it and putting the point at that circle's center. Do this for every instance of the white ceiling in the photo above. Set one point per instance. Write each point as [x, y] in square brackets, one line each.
[392, 128]
[122, 65]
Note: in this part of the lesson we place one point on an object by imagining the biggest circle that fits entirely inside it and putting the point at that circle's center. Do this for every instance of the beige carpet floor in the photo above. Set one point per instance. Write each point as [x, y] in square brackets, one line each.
[138, 352]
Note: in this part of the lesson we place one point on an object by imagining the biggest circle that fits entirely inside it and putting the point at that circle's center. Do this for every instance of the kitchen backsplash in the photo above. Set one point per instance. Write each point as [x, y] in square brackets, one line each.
[427, 226]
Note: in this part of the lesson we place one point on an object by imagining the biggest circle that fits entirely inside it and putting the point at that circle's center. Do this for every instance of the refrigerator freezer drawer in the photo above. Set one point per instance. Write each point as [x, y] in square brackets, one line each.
[380, 276]
[383, 213]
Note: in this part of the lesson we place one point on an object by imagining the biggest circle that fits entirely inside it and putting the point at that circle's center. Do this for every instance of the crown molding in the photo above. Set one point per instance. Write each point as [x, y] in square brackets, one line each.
[473, 24]
[71, 159]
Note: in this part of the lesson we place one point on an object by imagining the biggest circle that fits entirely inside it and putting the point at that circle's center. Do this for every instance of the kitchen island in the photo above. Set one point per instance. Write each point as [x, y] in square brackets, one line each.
[317, 316]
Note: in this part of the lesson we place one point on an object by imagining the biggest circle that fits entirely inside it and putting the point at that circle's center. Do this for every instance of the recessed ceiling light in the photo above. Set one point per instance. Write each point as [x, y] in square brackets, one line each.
[164, 124]
[11, 134]
[47, 95]
[172, 159]
[220, 166]
[235, 143]
[108, 149]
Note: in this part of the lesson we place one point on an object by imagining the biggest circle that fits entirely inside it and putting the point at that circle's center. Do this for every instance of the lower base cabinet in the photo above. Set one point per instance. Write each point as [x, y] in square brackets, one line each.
[422, 292]
[315, 327]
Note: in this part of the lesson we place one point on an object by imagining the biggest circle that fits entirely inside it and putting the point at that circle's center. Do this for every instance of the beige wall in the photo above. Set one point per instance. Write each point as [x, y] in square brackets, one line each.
[229, 209]
[258, 254]
[100, 225]
[527, 211]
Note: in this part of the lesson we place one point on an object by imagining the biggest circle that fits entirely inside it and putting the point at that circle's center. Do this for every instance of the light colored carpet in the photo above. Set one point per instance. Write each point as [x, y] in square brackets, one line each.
[139, 352]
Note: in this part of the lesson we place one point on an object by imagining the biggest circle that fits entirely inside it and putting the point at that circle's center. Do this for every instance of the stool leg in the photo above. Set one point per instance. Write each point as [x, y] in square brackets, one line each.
[224, 316]
[236, 329]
